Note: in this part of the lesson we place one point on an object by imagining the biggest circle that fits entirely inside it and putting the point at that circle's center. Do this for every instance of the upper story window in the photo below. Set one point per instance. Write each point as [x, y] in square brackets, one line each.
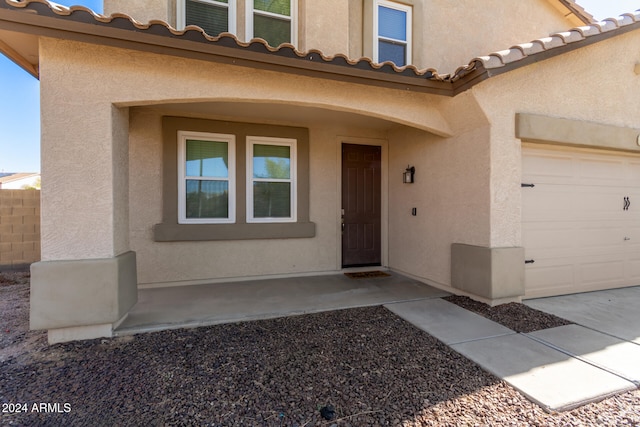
[392, 32]
[272, 20]
[213, 16]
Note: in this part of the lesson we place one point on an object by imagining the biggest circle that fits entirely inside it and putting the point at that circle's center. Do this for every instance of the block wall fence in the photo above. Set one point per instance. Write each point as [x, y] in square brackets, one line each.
[19, 229]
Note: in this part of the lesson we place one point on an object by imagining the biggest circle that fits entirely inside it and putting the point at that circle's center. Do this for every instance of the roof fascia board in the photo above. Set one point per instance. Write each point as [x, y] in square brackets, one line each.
[478, 75]
[49, 26]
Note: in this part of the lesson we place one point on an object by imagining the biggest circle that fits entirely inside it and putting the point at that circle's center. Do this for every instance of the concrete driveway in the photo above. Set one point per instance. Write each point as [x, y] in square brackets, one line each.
[614, 312]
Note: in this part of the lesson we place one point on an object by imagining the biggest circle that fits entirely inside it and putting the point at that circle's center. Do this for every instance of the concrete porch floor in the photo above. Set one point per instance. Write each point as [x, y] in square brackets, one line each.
[200, 305]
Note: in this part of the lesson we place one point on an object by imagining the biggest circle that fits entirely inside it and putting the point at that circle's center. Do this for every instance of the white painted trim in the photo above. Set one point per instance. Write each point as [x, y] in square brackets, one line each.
[293, 179]
[384, 197]
[409, 35]
[182, 179]
[249, 12]
[181, 14]
[231, 6]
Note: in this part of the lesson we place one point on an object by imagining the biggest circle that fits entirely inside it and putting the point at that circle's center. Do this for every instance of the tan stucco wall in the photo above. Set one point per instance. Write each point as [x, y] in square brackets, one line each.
[84, 179]
[142, 10]
[467, 178]
[594, 84]
[446, 34]
[160, 262]
[326, 26]
[457, 31]
[451, 192]
[91, 173]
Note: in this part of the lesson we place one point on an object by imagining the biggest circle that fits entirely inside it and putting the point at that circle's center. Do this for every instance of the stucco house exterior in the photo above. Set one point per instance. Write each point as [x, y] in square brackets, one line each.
[173, 157]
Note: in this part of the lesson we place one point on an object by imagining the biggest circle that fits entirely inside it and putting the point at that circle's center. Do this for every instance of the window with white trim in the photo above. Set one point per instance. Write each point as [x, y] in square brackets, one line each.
[213, 16]
[392, 32]
[272, 20]
[206, 178]
[271, 179]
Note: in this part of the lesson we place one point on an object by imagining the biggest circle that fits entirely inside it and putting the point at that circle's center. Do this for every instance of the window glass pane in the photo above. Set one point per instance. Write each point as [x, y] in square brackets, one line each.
[274, 31]
[271, 200]
[394, 52]
[281, 7]
[392, 23]
[207, 158]
[207, 199]
[271, 161]
[211, 18]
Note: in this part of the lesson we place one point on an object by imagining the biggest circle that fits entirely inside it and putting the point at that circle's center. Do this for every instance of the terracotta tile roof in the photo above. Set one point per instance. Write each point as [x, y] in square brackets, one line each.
[556, 43]
[195, 33]
[314, 61]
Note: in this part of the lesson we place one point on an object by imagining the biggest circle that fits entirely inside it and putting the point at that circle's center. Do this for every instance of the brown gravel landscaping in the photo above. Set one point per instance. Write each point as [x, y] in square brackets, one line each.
[372, 367]
[517, 317]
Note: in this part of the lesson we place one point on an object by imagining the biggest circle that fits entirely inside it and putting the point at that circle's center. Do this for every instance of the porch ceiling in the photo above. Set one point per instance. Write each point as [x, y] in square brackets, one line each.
[274, 113]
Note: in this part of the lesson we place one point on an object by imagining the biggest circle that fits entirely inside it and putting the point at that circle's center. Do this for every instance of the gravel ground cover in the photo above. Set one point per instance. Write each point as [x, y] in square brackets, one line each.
[517, 317]
[372, 367]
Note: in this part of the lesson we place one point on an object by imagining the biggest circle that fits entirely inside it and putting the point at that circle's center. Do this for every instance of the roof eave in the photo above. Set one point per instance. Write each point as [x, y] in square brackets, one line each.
[19, 60]
[158, 39]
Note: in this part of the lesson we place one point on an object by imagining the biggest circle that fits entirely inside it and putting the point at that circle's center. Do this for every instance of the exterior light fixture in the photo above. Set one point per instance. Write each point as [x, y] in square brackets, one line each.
[407, 176]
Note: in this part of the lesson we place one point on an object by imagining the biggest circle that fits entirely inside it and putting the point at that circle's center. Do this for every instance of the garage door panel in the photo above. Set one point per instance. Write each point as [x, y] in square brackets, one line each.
[585, 169]
[633, 233]
[632, 271]
[601, 172]
[606, 238]
[548, 238]
[548, 167]
[568, 203]
[573, 222]
[633, 171]
[611, 272]
[577, 233]
[550, 203]
[550, 277]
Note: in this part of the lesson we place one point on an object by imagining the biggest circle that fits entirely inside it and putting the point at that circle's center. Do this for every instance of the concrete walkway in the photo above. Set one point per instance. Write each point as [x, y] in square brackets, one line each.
[559, 368]
[201, 305]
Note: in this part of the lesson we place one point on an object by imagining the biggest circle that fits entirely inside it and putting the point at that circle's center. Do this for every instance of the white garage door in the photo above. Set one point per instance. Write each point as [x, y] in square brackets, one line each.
[580, 220]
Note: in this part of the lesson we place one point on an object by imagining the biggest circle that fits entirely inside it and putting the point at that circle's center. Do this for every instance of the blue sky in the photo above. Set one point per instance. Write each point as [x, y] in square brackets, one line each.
[20, 105]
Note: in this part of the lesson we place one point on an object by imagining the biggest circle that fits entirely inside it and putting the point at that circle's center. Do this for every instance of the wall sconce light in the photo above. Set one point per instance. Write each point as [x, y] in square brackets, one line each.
[407, 176]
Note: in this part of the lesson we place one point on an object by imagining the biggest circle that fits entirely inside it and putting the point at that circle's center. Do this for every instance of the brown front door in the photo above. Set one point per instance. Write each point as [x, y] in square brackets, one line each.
[361, 205]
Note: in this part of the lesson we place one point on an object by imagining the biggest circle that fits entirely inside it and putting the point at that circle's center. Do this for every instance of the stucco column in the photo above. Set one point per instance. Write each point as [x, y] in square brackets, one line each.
[86, 281]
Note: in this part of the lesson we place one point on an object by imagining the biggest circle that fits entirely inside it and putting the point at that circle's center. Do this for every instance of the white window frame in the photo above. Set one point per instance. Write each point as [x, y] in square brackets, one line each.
[182, 178]
[249, 12]
[376, 36]
[265, 140]
[181, 15]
